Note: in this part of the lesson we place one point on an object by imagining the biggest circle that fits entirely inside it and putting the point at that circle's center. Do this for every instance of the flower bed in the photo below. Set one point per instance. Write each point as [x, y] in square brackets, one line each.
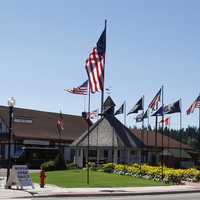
[170, 175]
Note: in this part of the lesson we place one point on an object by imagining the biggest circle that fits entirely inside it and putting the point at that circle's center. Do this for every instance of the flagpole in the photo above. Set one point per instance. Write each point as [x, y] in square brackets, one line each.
[156, 131]
[142, 123]
[143, 118]
[142, 137]
[148, 135]
[88, 142]
[112, 145]
[84, 103]
[168, 141]
[180, 132]
[199, 122]
[162, 127]
[125, 113]
[102, 92]
[59, 132]
[199, 127]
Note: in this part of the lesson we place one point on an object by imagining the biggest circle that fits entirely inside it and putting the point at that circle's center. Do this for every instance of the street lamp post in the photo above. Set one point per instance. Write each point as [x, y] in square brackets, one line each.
[11, 104]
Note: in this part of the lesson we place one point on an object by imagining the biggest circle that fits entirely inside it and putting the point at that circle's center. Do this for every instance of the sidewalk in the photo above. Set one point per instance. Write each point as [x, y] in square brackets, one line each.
[54, 191]
[11, 194]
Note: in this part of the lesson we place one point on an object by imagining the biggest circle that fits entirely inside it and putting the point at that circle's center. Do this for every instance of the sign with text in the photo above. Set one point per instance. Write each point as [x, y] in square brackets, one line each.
[28, 121]
[20, 176]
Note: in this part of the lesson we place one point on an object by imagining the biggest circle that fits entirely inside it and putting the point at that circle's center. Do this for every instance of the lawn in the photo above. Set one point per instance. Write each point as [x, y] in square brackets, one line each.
[78, 178]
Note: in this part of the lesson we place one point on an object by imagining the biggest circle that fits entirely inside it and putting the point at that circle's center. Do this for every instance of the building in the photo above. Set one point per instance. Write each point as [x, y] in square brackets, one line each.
[108, 140]
[174, 153]
[33, 128]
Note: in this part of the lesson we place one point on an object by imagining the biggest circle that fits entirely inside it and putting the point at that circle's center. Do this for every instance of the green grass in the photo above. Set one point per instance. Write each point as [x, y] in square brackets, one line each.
[78, 178]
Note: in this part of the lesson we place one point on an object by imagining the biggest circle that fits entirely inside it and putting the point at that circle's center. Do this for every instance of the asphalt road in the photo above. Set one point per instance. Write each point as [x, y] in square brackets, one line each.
[189, 196]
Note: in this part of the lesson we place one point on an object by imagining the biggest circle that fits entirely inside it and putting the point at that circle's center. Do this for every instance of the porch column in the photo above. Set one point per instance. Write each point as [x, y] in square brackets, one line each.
[79, 157]
[115, 156]
[110, 159]
[128, 156]
[76, 157]
[147, 158]
[139, 156]
[98, 156]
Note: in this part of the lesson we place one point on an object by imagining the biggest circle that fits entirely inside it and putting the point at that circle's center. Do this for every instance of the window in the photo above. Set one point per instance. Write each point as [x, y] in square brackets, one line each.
[105, 153]
[1, 127]
[133, 153]
[92, 153]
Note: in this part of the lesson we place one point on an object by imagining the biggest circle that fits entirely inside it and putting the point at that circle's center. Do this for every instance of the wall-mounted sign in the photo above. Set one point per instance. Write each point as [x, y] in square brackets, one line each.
[21, 120]
[36, 142]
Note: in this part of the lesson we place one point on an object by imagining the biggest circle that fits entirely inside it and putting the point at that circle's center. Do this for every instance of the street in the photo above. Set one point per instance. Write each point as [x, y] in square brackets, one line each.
[188, 196]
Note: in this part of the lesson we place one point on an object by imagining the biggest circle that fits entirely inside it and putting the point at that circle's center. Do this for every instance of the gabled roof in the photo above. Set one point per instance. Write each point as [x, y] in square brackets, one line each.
[33, 124]
[149, 138]
[85, 134]
[124, 133]
[115, 126]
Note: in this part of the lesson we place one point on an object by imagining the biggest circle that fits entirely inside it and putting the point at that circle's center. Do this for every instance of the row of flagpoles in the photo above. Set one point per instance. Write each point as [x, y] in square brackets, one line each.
[95, 68]
[153, 106]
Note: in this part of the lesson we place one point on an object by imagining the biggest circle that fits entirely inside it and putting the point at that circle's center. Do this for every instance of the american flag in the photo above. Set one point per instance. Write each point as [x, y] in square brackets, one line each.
[95, 65]
[81, 90]
[166, 121]
[195, 104]
[93, 114]
[154, 103]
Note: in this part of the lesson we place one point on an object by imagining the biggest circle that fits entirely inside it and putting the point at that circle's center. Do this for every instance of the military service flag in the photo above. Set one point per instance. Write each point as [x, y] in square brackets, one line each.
[173, 108]
[138, 106]
[120, 110]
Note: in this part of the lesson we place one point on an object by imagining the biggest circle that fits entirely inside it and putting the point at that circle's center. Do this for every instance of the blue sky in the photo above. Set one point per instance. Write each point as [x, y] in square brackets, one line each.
[44, 45]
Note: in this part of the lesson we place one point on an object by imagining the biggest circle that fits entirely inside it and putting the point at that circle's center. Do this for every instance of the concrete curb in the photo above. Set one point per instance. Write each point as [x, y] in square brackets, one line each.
[128, 193]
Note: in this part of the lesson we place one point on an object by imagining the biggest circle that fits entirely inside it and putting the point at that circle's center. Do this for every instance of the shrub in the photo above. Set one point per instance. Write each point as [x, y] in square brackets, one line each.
[60, 162]
[71, 166]
[172, 176]
[108, 167]
[92, 166]
[48, 166]
[57, 164]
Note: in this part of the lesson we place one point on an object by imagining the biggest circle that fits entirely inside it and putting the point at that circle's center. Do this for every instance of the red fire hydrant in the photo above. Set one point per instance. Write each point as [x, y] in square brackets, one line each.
[42, 178]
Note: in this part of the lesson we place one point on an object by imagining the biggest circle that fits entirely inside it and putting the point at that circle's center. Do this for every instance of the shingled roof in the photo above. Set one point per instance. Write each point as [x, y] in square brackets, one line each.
[149, 140]
[33, 124]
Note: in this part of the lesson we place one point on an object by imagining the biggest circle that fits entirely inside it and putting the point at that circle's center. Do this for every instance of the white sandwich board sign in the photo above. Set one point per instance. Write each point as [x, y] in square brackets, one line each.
[20, 177]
